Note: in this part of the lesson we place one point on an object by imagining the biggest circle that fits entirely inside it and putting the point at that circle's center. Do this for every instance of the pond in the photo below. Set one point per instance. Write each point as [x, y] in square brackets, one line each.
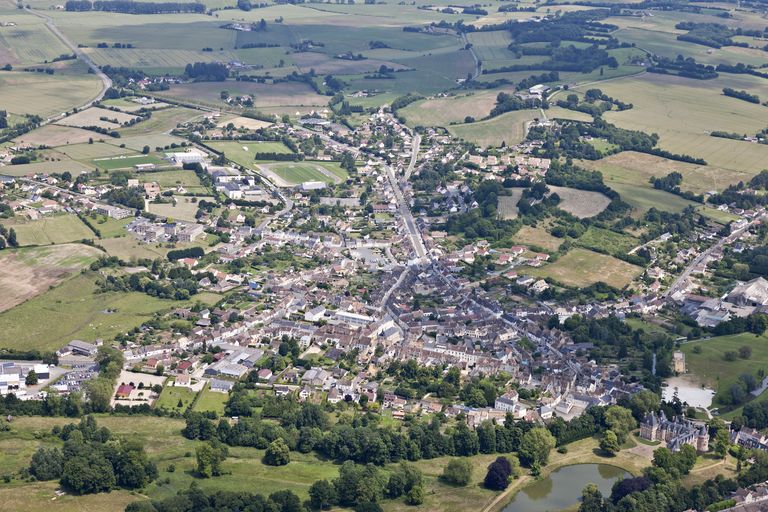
[689, 391]
[562, 488]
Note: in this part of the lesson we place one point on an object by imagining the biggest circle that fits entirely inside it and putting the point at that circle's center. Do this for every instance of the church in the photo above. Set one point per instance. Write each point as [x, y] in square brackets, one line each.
[675, 433]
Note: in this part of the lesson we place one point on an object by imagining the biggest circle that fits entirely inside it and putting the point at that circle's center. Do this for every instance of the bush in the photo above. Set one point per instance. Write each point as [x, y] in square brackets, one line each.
[457, 472]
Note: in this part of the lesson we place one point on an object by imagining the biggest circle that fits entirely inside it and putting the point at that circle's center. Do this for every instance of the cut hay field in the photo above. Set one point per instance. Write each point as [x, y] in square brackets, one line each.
[93, 117]
[242, 153]
[294, 173]
[444, 111]
[683, 113]
[537, 237]
[183, 208]
[54, 135]
[580, 203]
[52, 166]
[58, 229]
[73, 311]
[509, 128]
[29, 42]
[26, 273]
[582, 267]
[45, 95]
[244, 122]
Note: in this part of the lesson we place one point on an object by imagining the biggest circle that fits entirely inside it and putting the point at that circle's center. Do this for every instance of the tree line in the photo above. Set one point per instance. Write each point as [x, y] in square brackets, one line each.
[131, 7]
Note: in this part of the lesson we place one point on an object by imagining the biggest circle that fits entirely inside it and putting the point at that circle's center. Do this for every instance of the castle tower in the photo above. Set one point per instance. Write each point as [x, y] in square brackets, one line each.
[702, 440]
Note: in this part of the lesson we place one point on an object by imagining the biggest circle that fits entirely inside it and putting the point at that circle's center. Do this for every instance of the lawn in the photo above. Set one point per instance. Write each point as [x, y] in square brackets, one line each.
[581, 267]
[57, 229]
[714, 371]
[111, 228]
[166, 179]
[73, 311]
[169, 398]
[211, 401]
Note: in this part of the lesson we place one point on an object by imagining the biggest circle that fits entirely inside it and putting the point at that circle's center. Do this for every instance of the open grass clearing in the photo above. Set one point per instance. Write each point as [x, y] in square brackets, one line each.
[211, 401]
[638, 168]
[605, 240]
[148, 59]
[711, 368]
[452, 109]
[59, 165]
[580, 203]
[26, 273]
[510, 128]
[181, 207]
[111, 163]
[537, 237]
[88, 152]
[57, 229]
[581, 267]
[173, 395]
[161, 121]
[172, 179]
[244, 122]
[54, 135]
[508, 204]
[94, 116]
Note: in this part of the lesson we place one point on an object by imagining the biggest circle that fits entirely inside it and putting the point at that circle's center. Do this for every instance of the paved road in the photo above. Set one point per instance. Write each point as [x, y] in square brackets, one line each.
[414, 155]
[106, 82]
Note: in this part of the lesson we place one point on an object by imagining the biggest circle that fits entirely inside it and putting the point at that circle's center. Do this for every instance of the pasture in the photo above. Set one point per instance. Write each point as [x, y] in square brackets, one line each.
[690, 111]
[153, 59]
[452, 109]
[582, 267]
[26, 273]
[711, 368]
[95, 116]
[57, 229]
[264, 95]
[580, 203]
[45, 95]
[73, 310]
[54, 135]
[510, 128]
[294, 173]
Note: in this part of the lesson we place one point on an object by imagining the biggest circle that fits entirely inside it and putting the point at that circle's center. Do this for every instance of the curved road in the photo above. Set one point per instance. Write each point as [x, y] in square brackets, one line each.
[106, 82]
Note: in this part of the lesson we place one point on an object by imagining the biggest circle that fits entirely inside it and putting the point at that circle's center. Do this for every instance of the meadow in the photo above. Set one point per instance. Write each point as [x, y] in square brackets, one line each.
[28, 272]
[582, 267]
[711, 368]
[209, 400]
[111, 163]
[510, 128]
[538, 237]
[607, 241]
[451, 109]
[580, 203]
[57, 229]
[55, 135]
[93, 117]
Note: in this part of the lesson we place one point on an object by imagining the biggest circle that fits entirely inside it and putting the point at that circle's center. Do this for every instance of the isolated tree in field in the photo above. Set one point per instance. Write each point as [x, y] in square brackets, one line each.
[745, 352]
[31, 379]
[322, 495]
[457, 472]
[609, 443]
[209, 459]
[499, 474]
[278, 453]
[535, 446]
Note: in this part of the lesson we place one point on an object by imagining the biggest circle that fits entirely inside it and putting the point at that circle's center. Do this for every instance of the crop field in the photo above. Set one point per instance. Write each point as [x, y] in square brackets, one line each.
[491, 47]
[443, 111]
[29, 42]
[581, 267]
[638, 168]
[55, 135]
[711, 368]
[92, 117]
[73, 311]
[294, 173]
[162, 121]
[264, 95]
[58, 229]
[45, 95]
[26, 273]
[580, 203]
[643, 198]
[242, 153]
[690, 111]
[148, 59]
[510, 128]
[608, 241]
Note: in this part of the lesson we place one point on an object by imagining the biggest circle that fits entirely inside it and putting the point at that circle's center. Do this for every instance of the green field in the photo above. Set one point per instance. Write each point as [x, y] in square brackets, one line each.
[125, 161]
[45, 95]
[211, 401]
[711, 368]
[444, 111]
[183, 208]
[581, 267]
[242, 153]
[73, 311]
[509, 128]
[57, 229]
[294, 173]
[169, 398]
[607, 241]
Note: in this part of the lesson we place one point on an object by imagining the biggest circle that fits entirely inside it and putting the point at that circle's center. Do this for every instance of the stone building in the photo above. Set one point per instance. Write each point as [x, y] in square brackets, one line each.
[675, 432]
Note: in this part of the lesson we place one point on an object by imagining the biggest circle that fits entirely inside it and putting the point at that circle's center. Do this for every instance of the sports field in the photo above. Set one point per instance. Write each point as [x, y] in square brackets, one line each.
[582, 267]
[294, 173]
[242, 153]
[26, 273]
[57, 229]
